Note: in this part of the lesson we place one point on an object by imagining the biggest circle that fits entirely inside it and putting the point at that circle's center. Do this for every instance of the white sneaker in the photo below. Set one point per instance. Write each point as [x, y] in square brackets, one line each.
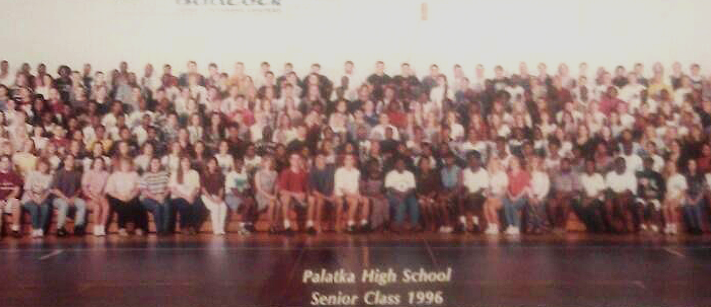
[654, 228]
[33, 234]
[513, 231]
[492, 230]
[40, 233]
[96, 231]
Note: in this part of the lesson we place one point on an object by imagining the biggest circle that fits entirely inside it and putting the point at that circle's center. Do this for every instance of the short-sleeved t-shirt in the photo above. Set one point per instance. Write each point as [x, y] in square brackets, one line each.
[293, 181]
[322, 180]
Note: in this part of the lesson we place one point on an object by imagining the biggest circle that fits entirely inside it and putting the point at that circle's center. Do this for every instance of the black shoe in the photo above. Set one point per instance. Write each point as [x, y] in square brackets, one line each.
[61, 233]
[250, 228]
[272, 230]
[311, 231]
[16, 234]
[364, 228]
[191, 231]
[351, 229]
[459, 228]
[79, 231]
[288, 232]
[475, 229]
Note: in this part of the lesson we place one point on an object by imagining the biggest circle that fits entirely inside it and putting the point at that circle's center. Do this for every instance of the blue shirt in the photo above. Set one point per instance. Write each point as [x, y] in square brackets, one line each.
[450, 176]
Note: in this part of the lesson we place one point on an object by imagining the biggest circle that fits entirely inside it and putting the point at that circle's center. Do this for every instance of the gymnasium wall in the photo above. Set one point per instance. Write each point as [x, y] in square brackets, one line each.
[601, 32]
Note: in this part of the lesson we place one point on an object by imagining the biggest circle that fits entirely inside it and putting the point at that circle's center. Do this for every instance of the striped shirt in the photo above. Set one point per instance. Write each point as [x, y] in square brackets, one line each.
[155, 183]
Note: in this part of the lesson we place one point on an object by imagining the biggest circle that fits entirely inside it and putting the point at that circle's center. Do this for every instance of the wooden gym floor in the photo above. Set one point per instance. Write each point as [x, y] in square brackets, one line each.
[262, 270]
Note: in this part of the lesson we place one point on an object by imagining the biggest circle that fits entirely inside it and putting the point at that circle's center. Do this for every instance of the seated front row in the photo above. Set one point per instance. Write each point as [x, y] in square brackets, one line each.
[445, 199]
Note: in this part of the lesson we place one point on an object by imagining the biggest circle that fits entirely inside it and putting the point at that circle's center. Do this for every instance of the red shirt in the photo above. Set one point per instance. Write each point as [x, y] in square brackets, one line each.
[704, 164]
[608, 105]
[398, 119]
[518, 182]
[8, 182]
[293, 182]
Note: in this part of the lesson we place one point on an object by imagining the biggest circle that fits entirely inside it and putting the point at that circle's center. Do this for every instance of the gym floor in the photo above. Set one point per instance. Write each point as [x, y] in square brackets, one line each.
[264, 270]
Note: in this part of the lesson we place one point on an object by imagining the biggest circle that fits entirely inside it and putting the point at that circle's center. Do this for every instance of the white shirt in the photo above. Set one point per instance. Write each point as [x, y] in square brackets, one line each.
[627, 120]
[191, 181]
[141, 135]
[172, 162]
[633, 163]
[630, 93]
[679, 95]
[498, 183]
[540, 185]
[592, 184]
[676, 186]
[225, 162]
[378, 132]
[347, 180]
[232, 178]
[122, 183]
[109, 121]
[136, 118]
[456, 131]
[400, 182]
[619, 183]
[475, 181]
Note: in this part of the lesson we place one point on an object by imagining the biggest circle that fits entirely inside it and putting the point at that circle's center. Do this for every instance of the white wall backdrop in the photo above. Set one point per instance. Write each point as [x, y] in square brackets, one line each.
[601, 32]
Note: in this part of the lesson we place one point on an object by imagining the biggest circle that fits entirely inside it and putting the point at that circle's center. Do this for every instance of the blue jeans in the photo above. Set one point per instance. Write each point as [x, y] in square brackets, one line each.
[189, 213]
[512, 211]
[63, 209]
[692, 211]
[160, 211]
[407, 205]
[537, 215]
[38, 212]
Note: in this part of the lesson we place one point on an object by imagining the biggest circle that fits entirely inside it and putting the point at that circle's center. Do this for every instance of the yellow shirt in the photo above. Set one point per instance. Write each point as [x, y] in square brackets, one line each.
[25, 162]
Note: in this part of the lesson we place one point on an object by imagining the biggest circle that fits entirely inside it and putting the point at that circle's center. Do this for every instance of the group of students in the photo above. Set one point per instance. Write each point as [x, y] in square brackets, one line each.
[510, 153]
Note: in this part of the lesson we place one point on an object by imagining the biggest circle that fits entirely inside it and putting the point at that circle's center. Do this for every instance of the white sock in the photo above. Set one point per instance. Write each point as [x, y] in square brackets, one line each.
[475, 220]
[463, 219]
[363, 222]
[287, 224]
[241, 224]
[351, 223]
[309, 224]
[15, 227]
